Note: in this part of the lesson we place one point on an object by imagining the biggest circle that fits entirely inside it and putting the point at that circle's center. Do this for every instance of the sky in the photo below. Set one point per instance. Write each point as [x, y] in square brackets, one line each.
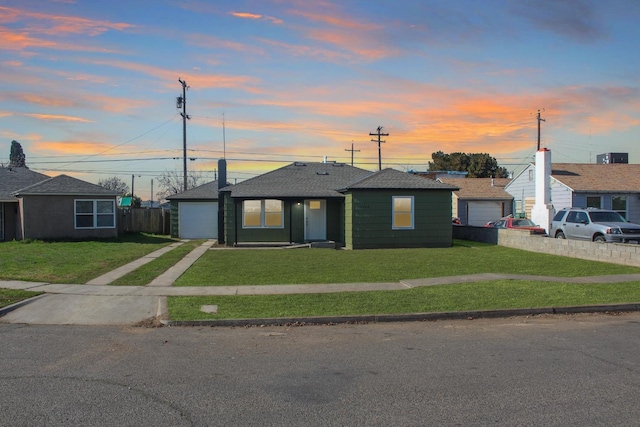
[89, 89]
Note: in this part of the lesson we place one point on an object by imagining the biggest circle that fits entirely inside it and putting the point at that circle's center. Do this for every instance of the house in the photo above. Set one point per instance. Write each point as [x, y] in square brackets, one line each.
[608, 186]
[36, 206]
[194, 213]
[479, 200]
[12, 179]
[356, 208]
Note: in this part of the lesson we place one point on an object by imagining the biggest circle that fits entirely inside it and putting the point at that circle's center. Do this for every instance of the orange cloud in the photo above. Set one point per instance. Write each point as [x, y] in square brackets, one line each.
[70, 147]
[196, 80]
[57, 117]
[248, 15]
[62, 25]
[5, 114]
[20, 41]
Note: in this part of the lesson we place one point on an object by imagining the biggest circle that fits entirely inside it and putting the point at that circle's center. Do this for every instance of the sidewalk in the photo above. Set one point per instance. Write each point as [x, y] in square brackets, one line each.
[98, 303]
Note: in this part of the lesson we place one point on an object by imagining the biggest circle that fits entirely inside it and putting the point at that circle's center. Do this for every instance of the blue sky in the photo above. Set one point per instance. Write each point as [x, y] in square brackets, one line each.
[89, 89]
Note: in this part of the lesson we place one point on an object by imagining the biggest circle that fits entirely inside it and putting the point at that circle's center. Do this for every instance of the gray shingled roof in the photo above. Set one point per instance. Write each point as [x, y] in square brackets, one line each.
[392, 179]
[299, 180]
[480, 188]
[207, 191]
[65, 185]
[327, 180]
[13, 179]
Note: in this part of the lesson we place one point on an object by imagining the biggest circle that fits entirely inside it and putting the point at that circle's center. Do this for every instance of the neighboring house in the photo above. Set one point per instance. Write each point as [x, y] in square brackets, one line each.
[479, 200]
[194, 213]
[12, 179]
[356, 208]
[57, 208]
[608, 186]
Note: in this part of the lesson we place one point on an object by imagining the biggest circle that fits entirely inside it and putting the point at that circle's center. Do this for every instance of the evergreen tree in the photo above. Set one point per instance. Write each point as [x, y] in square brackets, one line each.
[17, 159]
[478, 165]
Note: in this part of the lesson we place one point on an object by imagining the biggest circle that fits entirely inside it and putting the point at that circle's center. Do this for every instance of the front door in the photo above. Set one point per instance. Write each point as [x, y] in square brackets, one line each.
[315, 220]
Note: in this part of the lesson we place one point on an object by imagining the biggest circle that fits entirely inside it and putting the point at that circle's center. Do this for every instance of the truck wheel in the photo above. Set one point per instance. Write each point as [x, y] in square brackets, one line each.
[560, 235]
[599, 239]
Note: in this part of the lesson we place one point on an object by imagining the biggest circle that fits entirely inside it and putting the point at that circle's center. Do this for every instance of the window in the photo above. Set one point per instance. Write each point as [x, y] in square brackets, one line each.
[1, 221]
[95, 213]
[619, 204]
[402, 212]
[262, 214]
[594, 202]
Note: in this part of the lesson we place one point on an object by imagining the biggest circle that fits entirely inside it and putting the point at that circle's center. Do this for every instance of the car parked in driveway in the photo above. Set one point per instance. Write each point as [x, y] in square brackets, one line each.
[596, 225]
[518, 224]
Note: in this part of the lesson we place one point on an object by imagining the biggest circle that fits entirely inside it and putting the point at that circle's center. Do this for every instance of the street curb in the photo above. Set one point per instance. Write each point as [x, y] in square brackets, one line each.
[8, 309]
[411, 317]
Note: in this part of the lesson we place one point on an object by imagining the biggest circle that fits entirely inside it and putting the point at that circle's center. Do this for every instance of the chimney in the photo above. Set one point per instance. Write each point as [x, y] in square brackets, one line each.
[222, 182]
[222, 173]
[542, 210]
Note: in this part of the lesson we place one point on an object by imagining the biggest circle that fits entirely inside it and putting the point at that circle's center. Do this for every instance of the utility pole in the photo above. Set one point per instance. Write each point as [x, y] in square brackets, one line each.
[151, 192]
[182, 102]
[379, 134]
[352, 151]
[539, 120]
[133, 178]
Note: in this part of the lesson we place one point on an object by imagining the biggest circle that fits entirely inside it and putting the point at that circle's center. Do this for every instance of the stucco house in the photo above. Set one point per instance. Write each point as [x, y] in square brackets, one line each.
[35, 206]
[479, 200]
[608, 186]
[353, 207]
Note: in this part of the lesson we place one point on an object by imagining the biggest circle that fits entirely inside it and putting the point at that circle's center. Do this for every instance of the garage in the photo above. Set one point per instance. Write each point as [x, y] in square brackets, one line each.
[198, 220]
[481, 212]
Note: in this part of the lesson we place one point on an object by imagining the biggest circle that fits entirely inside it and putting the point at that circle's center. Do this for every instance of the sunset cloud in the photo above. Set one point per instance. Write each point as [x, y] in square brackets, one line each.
[57, 117]
[255, 16]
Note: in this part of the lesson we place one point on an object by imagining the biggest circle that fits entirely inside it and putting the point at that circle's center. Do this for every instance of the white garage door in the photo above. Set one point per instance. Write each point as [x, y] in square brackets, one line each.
[479, 213]
[198, 220]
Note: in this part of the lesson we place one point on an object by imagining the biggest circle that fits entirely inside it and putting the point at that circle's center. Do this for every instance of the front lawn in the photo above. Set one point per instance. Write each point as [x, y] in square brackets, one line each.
[299, 266]
[73, 262]
[499, 294]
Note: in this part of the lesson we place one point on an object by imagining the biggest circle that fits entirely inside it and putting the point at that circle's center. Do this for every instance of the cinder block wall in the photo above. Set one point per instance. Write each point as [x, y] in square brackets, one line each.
[606, 252]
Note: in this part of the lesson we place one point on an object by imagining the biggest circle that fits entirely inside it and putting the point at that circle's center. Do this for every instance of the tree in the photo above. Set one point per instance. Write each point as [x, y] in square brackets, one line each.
[115, 184]
[479, 165]
[17, 159]
[172, 182]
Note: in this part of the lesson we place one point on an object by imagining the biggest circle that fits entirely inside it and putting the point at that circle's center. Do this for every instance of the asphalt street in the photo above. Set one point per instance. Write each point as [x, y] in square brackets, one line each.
[543, 370]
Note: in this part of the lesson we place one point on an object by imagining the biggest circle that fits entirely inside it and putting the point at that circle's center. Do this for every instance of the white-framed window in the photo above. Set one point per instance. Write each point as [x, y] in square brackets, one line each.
[402, 212]
[594, 202]
[267, 213]
[619, 204]
[91, 213]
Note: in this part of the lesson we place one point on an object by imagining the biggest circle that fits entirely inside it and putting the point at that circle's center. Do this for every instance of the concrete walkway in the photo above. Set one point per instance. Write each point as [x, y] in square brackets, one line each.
[97, 303]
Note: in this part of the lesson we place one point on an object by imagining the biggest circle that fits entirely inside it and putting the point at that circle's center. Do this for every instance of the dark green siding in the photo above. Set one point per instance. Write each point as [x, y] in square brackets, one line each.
[173, 211]
[293, 230]
[335, 220]
[369, 220]
[229, 220]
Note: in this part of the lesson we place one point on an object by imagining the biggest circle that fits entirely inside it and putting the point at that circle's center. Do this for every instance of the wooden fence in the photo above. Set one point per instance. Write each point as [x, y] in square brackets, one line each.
[144, 220]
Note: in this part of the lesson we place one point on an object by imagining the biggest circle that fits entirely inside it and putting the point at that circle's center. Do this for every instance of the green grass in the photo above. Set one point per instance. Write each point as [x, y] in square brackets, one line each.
[12, 296]
[145, 274]
[73, 261]
[500, 294]
[301, 266]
